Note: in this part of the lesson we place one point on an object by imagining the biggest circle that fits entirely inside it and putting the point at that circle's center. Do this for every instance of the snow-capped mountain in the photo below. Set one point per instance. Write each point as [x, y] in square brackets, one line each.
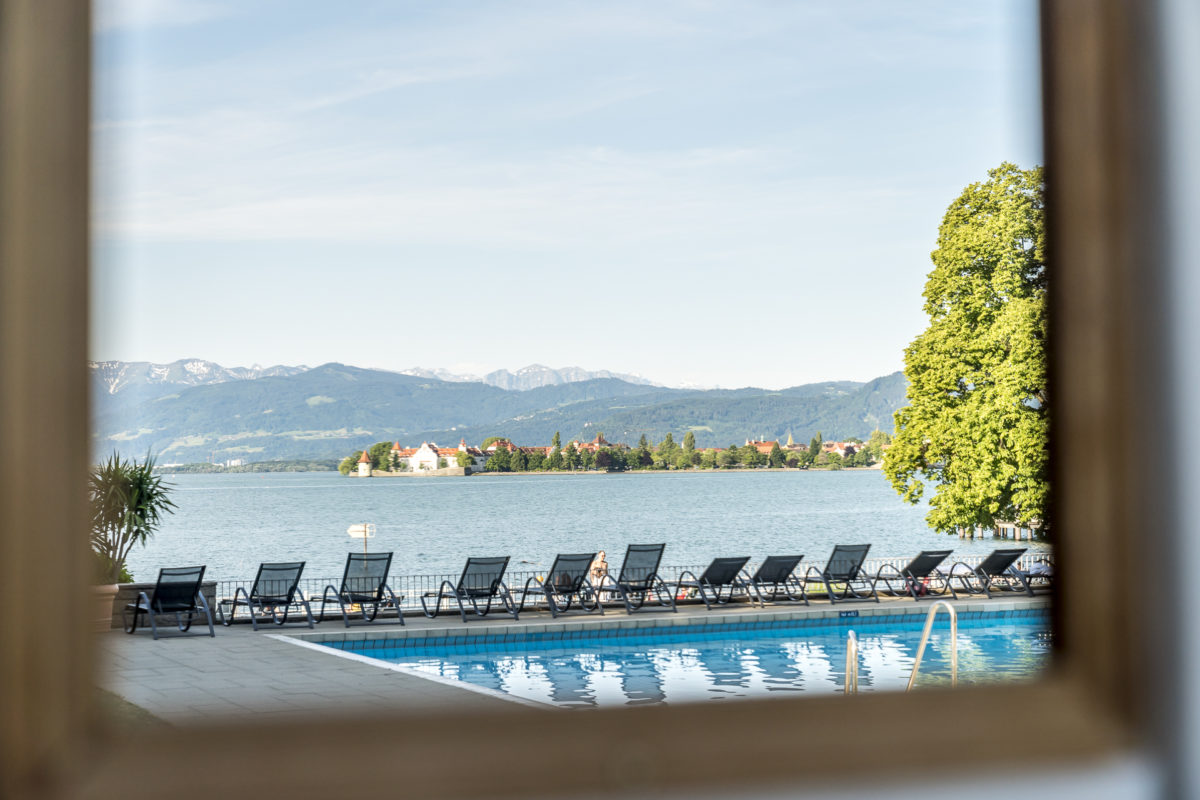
[441, 375]
[537, 375]
[114, 377]
[534, 376]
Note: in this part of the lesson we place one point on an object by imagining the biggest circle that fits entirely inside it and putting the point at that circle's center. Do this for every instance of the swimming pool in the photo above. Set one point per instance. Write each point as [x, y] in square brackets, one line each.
[681, 663]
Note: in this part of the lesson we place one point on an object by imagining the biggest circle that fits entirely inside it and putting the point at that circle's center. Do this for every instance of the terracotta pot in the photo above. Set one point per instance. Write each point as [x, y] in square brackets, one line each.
[102, 597]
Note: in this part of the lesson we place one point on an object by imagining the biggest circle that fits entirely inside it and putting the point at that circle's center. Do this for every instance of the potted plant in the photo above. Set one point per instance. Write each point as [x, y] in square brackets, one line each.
[128, 504]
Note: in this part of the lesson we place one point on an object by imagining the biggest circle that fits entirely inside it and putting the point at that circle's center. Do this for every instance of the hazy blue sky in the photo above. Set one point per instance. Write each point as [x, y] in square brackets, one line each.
[730, 193]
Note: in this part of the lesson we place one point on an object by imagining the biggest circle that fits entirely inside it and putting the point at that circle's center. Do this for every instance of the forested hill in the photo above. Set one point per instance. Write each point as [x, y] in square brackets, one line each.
[330, 410]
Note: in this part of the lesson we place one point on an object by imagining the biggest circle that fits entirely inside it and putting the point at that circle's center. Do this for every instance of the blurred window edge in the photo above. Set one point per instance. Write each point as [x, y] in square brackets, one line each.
[1107, 203]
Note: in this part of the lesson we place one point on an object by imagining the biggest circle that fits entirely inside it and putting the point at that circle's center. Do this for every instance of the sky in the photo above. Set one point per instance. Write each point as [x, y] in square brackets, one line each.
[702, 193]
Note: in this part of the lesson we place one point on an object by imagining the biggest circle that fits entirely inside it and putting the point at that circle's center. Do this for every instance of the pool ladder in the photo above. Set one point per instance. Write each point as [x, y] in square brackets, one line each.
[852, 650]
[912, 679]
[851, 663]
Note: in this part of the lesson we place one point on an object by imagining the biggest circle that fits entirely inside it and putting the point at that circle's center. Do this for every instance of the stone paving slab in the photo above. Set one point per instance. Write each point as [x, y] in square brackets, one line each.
[193, 679]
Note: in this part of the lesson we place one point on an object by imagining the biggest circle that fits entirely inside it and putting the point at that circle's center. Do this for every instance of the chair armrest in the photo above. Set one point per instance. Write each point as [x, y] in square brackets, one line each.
[681, 583]
[141, 598]
[441, 590]
[897, 573]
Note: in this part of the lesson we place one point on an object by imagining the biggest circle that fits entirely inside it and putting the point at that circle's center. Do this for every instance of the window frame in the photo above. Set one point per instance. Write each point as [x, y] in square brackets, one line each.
[1098, 82]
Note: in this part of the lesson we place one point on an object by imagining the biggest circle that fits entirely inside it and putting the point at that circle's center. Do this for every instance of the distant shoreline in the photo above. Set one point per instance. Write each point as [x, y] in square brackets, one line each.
[676, 471]
[264, 468]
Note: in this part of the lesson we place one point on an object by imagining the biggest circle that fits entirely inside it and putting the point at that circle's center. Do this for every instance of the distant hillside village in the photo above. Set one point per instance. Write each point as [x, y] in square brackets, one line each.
[498, 454]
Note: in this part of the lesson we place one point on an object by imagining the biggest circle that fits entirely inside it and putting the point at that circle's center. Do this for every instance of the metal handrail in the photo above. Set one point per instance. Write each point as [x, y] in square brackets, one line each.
[912, 679]
[851, 663]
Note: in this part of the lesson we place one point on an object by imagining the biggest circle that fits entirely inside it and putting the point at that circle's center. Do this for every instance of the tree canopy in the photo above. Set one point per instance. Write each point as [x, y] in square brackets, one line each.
[975, 427]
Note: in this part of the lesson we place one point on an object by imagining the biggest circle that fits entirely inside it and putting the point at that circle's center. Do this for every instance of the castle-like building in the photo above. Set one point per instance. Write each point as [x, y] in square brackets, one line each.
[429, 456]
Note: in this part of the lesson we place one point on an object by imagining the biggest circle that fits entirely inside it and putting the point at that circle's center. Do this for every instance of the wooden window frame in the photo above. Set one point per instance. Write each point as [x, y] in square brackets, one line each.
[1100, 146]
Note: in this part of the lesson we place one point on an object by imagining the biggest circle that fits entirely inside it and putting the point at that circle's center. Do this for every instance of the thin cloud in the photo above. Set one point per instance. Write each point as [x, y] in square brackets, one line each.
[114, 15]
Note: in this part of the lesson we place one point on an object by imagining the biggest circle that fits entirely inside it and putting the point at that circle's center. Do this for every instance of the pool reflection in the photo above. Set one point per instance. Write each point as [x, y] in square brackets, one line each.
[645, 670]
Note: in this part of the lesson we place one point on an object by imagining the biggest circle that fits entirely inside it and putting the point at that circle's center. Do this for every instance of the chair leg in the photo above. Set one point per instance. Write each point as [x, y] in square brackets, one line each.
[207, 614]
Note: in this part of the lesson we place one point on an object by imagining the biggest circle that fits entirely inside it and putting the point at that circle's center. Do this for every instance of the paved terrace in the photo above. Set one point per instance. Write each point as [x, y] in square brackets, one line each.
[193, 679]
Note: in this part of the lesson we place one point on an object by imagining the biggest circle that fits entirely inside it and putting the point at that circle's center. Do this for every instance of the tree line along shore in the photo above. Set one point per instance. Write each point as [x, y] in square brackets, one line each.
[499, 455]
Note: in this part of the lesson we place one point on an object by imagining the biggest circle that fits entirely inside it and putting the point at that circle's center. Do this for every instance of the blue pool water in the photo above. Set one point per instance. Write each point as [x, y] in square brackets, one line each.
[697, 663]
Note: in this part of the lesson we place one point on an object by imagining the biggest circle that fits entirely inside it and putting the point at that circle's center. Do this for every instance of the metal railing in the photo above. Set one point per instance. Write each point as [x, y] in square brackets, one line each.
[929, 618]
[414, 586]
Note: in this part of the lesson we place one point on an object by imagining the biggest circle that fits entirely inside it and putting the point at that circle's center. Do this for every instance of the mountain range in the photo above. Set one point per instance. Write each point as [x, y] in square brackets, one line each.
[199, 411]
[534, 376]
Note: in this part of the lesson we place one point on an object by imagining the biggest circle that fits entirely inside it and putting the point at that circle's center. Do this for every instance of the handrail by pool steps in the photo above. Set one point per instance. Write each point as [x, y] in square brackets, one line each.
[912, 679]
[851, 663]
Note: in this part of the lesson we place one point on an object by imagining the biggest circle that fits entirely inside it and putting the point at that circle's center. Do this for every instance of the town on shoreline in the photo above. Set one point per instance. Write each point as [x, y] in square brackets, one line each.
[497, 454]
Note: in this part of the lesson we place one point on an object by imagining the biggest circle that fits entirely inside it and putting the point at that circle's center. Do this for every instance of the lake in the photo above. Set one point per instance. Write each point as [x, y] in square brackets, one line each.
[232, 522]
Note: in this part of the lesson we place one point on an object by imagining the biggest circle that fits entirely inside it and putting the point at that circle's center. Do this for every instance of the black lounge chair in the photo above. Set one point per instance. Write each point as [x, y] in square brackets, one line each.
[482, 582]
[845, 567]
[921, 577]
[721, 574]
[639, 576]
[567, 580]
[776, 572]
[176, 592]
[364, 584]
[996, 572]
[275, 586]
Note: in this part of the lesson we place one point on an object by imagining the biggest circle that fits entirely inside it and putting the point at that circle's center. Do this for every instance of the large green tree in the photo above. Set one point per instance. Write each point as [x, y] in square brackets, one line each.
[380, 454]
[814, 448]
[975, 427]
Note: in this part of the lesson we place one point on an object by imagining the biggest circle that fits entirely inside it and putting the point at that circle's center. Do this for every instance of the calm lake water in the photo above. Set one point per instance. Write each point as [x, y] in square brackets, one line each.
[233, 522]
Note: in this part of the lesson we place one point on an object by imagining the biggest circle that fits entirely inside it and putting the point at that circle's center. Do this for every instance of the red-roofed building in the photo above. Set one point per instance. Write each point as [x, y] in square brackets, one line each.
[763, 447]
[841, 448]
[429, 456]
[597, 444]
[505, 444]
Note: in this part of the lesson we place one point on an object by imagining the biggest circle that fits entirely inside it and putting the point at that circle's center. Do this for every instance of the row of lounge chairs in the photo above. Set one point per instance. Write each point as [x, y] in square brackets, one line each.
[364, 591]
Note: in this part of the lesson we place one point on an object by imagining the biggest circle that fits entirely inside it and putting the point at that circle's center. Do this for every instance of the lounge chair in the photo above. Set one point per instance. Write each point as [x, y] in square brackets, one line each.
[177, 592]
[275, 586]
[567, 580]
[721, 574]
[996, 572]
[921, 577]
[776, 573]
[481, 584]
[845, 567]
[364, 584]
[639, 576]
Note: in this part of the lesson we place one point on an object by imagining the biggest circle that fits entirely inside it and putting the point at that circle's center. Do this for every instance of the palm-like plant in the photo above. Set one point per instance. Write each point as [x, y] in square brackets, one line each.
[128, 504]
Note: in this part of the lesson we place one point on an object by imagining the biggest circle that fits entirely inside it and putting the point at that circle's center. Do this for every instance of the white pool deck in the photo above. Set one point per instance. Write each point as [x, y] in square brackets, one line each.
[195, 679]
